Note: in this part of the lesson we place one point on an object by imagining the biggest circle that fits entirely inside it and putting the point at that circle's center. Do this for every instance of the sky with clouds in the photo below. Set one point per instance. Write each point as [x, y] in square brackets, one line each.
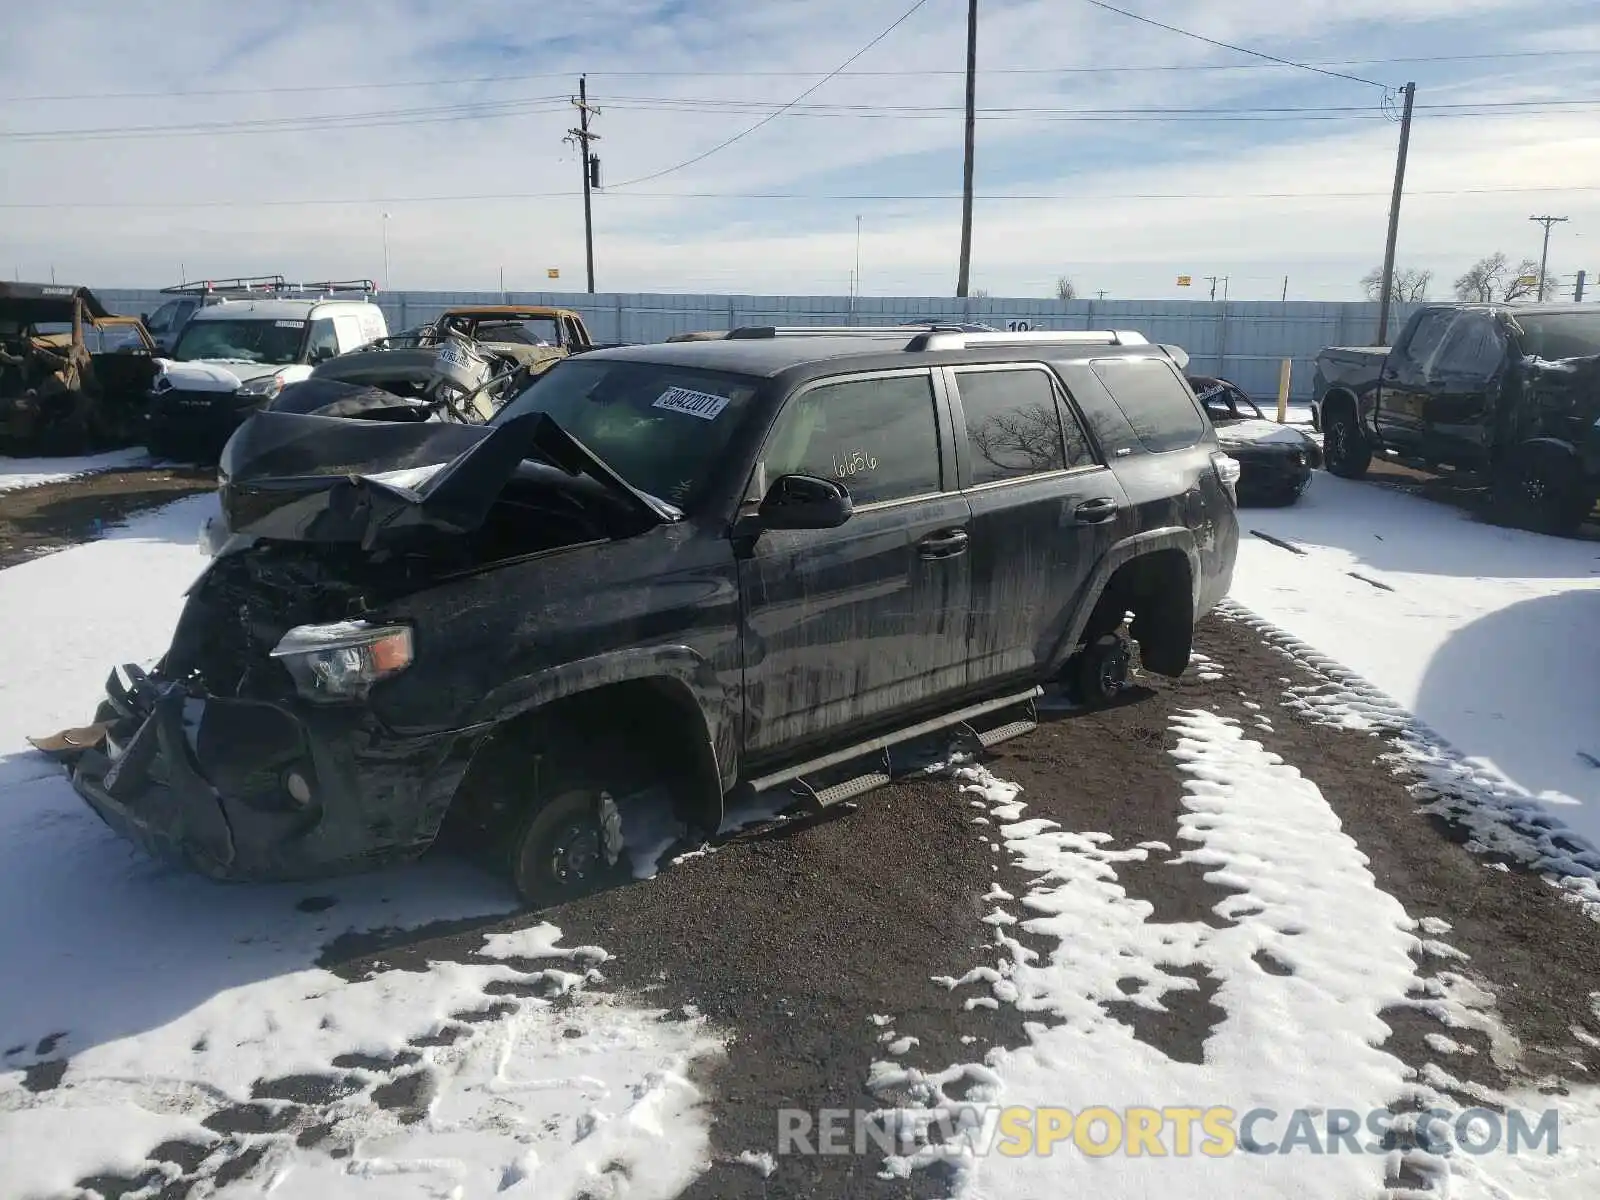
[138, 141]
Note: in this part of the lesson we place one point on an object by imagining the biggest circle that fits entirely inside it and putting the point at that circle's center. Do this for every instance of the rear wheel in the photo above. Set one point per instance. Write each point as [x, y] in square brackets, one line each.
[1344, 447]
[1098, 673]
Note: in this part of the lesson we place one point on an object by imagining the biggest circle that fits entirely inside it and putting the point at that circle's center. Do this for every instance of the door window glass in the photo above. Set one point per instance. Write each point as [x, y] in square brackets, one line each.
[1474, 349]
[1428, 335]
[1013, 424]
[878, 437]
[323, 343]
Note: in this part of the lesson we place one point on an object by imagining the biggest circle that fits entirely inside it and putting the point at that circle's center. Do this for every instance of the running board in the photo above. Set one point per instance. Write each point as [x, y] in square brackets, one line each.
[821, 781]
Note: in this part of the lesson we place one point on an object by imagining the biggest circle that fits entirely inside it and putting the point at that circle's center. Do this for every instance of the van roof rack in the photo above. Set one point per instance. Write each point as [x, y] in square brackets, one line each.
[269, 285]
[238, 283]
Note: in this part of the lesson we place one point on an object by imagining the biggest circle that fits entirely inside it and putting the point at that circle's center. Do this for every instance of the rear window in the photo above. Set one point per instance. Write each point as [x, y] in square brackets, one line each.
[1159, 405]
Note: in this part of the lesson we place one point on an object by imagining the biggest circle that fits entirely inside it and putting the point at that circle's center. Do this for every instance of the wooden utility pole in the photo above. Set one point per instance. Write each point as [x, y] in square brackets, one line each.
[1544, 255]
[966, 172]
[1387, 284]
[590, 163]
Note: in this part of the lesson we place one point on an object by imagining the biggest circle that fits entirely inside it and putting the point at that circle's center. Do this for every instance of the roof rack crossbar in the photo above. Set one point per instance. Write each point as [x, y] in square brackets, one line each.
[939, 340]
[752, 332]
[333, 285]
[238, 283]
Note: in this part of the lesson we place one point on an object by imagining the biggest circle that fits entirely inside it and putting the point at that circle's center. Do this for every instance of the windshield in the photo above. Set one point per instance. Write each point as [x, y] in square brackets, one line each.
[662, 428]
[252, 341]
[525, 331]
[1560, 335]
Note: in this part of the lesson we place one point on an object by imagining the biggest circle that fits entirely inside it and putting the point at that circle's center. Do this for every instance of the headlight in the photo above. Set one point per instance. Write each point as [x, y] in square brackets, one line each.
[343, 660]
[267, 387]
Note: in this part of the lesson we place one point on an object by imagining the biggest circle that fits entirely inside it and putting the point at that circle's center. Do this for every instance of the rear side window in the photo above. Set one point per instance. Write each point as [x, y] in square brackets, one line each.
[1159, 405]
[1014, 425]
[1430, 329]
[878, 437]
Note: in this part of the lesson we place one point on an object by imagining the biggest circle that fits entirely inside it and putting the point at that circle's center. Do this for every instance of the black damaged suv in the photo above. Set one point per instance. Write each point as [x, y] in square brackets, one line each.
[675, 573]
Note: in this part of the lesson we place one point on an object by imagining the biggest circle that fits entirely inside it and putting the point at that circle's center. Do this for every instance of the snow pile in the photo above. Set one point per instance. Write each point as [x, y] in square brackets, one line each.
[1482, 632]
[1501, 818]
[19, 473]
[144, 1004]
[1311, 954]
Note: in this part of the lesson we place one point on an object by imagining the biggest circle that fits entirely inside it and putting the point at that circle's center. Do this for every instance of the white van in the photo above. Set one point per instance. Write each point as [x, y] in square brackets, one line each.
[236, 354]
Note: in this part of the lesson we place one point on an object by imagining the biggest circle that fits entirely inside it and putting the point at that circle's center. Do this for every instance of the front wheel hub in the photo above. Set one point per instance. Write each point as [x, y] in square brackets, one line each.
[575, 853]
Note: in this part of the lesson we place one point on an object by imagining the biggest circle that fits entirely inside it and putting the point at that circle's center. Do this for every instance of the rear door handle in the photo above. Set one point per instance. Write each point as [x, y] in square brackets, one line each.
[1095, 511]
[947, 543]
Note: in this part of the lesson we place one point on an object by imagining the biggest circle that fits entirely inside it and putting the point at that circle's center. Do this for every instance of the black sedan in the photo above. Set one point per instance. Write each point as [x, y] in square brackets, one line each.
[1275, 460]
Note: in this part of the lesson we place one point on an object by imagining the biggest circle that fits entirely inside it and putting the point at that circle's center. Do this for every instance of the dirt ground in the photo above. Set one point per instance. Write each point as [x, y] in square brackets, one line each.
[793, 942]
[53, 516]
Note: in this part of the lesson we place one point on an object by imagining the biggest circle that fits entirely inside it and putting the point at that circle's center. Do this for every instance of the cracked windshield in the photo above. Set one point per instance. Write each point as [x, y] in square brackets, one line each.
[907, 600]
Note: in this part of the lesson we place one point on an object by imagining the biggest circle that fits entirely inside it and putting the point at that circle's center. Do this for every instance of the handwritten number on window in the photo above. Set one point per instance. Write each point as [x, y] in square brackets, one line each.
[853, 462]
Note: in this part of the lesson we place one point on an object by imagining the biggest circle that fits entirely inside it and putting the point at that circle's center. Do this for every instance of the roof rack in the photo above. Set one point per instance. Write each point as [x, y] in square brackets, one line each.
[269, 285]
[754, 332]
[239, 283]
[365, 286]
[940, 340]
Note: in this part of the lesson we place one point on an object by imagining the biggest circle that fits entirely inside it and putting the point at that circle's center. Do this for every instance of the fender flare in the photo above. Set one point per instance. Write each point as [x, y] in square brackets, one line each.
[1171, 537]
[677, 667]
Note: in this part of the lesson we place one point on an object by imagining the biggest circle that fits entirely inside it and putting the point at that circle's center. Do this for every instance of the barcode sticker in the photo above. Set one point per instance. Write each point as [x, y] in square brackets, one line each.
[290, 324]
[697, 404]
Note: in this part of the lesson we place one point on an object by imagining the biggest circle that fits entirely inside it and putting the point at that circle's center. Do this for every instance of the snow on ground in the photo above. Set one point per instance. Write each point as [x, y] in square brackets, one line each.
[1311, 953]
[18, 473]
[1485, 634]
[169, 995]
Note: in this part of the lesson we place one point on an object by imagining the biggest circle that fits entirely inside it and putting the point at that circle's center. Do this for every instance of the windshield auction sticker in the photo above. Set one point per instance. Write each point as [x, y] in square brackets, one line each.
[697, 404]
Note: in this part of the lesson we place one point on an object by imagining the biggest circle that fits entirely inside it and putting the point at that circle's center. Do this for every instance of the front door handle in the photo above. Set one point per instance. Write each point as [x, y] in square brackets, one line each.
[947, 543]
[1095, 511]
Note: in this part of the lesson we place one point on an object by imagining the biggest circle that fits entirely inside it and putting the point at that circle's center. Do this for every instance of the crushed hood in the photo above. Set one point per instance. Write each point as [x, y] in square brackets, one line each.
[307, 478]
[1258, 433]
[212, 376]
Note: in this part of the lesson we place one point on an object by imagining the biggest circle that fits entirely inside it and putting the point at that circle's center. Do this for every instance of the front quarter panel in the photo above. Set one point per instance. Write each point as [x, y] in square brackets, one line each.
[663, 604]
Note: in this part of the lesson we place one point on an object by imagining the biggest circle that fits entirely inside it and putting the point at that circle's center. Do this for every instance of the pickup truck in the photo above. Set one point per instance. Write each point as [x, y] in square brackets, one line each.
[671, 574]
[1508, 392]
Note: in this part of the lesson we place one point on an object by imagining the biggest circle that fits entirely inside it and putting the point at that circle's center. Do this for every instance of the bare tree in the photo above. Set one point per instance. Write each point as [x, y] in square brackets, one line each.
[1028, 439]
[1407, 285]
[1065, 289]
[1492, 279]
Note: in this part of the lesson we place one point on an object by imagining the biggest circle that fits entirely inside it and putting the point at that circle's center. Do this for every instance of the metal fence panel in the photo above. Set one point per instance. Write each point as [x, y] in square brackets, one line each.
[1242, 340]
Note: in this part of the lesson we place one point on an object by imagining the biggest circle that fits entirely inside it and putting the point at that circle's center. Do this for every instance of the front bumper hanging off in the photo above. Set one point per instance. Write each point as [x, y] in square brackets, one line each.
[254, 790]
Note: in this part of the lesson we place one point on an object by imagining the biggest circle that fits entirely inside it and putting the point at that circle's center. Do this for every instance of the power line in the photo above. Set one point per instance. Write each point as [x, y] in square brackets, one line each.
[904, 17]
[1199, 37]
[540, 105]
[475, 80]
[888, 197]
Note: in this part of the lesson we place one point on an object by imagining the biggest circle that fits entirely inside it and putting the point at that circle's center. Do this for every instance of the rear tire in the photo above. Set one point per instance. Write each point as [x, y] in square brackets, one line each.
[1098, 674]
[1345, 449]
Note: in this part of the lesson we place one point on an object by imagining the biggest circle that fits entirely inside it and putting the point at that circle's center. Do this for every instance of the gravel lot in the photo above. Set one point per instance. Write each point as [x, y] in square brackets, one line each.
[794, 941]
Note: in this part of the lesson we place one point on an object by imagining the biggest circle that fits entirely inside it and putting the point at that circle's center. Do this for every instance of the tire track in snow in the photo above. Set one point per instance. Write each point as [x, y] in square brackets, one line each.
[1502, 821]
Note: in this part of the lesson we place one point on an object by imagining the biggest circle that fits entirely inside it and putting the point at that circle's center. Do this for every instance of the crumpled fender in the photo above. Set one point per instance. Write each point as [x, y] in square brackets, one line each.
[679, 668]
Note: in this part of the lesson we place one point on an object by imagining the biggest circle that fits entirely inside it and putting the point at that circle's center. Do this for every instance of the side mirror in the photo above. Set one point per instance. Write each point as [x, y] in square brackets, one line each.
[144, 318]
[805, 502]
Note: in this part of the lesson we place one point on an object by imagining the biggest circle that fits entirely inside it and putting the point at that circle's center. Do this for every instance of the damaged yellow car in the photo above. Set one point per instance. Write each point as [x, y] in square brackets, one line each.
[73, 374]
